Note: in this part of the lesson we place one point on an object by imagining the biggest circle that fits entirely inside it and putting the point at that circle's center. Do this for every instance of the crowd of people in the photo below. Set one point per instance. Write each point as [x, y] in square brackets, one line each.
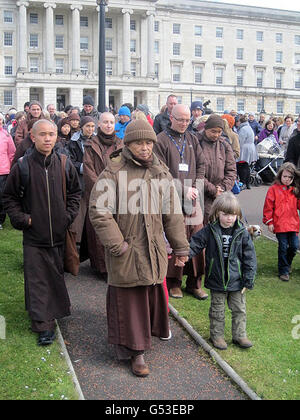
[144, 198]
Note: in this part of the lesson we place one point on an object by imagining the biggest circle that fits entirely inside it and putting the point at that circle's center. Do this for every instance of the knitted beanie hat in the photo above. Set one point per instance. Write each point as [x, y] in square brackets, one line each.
[139, 130]
[214, 121]
[230, 119]
[86, 120]
[88, 100]
[124, 110]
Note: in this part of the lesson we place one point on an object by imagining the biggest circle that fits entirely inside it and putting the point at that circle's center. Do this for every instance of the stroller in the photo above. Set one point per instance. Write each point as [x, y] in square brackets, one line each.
[271, 157]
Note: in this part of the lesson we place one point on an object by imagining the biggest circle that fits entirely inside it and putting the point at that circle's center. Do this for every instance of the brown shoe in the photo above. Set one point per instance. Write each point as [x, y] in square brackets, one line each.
[284, 277]
[138, 366]
[244, 343]
[219, 343]
[197, 293]
[176, 292]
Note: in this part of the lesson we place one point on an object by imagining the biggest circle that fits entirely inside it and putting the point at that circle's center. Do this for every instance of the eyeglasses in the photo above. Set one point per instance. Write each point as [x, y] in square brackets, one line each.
[181, 120]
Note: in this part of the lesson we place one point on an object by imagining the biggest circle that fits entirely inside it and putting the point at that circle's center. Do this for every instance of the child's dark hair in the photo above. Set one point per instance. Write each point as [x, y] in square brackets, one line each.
[228, 204]
[291, 168]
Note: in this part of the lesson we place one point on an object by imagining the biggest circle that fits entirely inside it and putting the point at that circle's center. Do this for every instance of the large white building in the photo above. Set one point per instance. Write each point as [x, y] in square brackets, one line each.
[241, 57]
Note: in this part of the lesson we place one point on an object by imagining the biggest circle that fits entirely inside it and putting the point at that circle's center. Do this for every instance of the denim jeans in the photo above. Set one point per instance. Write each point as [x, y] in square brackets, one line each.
[3, 179]
[288, 244]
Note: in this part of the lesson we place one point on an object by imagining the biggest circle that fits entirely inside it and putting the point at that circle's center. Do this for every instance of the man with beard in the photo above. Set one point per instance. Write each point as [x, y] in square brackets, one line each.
[179, 149]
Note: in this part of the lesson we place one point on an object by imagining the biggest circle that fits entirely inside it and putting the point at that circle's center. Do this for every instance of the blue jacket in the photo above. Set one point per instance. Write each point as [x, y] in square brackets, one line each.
[256, 127]
[120, 129]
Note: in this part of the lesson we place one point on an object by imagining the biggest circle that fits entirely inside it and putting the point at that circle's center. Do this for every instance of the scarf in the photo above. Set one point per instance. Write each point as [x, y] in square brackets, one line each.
[106, 139]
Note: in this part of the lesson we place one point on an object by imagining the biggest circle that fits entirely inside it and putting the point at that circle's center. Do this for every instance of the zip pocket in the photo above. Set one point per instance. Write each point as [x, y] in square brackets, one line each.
[211, 266]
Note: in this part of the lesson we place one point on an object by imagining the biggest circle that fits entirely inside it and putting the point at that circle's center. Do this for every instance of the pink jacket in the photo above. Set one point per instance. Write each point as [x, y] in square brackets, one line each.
[7, 152]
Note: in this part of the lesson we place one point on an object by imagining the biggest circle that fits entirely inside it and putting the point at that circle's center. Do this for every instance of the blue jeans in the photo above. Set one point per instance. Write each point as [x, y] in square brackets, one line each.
[288, 244]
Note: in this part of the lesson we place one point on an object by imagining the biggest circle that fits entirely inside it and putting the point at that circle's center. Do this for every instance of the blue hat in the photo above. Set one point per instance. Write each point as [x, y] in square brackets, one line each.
[124, 111]
[196, 105]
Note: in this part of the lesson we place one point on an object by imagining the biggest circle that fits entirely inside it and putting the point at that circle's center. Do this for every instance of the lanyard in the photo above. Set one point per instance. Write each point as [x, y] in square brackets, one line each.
[181, 152]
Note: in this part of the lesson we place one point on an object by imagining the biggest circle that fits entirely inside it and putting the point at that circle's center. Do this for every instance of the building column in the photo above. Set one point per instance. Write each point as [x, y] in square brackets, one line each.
[76, 38]
[49, 37]
[150, 58]
[22, 41]
[126, 41]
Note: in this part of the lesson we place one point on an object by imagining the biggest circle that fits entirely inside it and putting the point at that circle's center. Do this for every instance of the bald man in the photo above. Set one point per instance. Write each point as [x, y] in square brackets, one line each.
[179, 149]
[43, 215]
[96, 154]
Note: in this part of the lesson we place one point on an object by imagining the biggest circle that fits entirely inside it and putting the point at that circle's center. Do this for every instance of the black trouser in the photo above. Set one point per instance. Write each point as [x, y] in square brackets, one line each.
[3, 179]
[243, 171]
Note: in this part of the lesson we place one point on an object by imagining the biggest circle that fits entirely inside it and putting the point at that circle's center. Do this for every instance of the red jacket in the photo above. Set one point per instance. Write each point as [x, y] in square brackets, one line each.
[280, 209]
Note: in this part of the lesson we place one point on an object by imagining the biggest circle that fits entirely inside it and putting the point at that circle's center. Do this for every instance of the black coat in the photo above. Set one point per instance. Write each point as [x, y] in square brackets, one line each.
[241, 267]
[161, 122]
[293, 150]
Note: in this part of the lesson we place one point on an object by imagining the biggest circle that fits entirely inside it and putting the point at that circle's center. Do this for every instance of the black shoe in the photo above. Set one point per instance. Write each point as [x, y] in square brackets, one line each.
[46, 338]
[248, 187]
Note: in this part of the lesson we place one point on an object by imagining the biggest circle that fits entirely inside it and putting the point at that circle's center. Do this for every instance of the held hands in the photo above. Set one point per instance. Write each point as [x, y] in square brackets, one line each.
[192, 193]
[180, 261]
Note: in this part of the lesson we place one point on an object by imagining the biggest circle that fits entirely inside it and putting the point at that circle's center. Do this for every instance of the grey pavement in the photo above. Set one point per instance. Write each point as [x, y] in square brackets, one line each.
[178, 371]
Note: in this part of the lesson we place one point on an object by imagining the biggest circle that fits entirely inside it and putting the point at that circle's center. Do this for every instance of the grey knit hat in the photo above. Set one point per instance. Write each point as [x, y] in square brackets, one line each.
[139, 130]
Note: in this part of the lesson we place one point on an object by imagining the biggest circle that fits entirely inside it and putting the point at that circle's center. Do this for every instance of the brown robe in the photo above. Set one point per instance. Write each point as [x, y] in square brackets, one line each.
[96, 154]
[167, 151]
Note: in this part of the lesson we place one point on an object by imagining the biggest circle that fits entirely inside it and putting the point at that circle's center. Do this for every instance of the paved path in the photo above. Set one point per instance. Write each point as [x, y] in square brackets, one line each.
[178, 371]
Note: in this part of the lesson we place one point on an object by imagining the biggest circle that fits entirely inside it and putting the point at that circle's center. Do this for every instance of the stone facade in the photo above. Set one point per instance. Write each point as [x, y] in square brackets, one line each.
[240, 57]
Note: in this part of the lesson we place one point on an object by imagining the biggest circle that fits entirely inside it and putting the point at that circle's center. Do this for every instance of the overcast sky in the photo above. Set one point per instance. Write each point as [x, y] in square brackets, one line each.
[274, 4]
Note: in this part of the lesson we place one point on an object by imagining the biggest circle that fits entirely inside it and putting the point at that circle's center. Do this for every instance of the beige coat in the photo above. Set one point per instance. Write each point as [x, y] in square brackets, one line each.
[144, 262]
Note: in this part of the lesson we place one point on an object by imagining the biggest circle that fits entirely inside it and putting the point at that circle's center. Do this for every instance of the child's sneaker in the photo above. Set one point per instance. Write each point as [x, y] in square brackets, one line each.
[284, 277]
[219, 343]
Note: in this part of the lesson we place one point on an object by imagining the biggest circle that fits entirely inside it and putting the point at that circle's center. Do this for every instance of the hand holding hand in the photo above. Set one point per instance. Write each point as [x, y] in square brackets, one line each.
[180, 261]
[192, 193]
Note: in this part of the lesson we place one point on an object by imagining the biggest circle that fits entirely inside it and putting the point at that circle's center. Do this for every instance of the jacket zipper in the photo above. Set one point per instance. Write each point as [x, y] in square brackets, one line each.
[49, 207]
[239, 233]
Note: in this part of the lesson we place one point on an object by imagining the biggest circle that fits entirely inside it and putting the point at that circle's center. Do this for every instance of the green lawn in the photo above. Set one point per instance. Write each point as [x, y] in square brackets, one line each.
[272, 367]
[28, 372]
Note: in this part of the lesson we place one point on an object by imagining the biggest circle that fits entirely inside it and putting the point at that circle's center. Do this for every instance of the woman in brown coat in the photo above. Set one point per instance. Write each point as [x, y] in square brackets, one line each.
[220, 166]
[95, 158]
[35, 111]
[132, 204]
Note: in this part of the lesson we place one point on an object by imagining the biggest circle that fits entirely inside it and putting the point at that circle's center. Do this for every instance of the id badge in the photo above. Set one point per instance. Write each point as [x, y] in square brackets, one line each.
[183, 167]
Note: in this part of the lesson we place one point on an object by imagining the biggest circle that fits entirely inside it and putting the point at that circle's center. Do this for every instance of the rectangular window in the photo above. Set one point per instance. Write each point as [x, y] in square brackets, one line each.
[156, 26]
[219, 76]
[8, 17]
[8, 39]
[198, 30]
[198, 74]
[133, 68]
[279, 38]
[34, 18]
[108, 23]
[176, 48]
[278, 80]
[59, 66]
[241, 105]
[240, 77]
[297, 58]
[59, 20]
[156, 70]
[198, 50]
[84, 67]
[108, 44]
[240, 34]
[8, 97]
[59, 41]
[156, 47]
[297, 109]
[33, 40]
[219, 32]
[297, 80]
[84, 21]
[279, 107]
[259, 36]
[176, 28]
[109, 68]
[259, 55]
[176, 73]
[240, 53]
[132, 25]
[259, 78]
[279, 55]
[84, 43]
[8, 66]
[219, 52]
[220, 104]
[297, 39]
[133, 45]
[259, 105]
[34, 65]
